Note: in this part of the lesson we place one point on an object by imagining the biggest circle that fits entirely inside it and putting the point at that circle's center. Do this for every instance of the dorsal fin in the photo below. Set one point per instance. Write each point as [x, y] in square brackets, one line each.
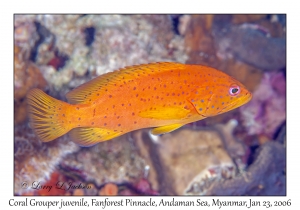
[85, 92]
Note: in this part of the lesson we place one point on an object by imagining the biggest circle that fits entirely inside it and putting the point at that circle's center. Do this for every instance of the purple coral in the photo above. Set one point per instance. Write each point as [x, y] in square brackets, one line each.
[267, 109]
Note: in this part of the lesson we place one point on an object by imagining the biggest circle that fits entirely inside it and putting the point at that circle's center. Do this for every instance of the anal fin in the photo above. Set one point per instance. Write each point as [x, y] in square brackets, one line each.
[165, 129]
[88, 136]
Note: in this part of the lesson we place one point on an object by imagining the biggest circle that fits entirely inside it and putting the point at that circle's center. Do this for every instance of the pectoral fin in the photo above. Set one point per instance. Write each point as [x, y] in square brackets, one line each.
[165, 113]
[88, 136]
[165, 129]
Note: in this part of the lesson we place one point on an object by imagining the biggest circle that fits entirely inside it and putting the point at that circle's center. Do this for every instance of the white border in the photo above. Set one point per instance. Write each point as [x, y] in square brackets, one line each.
[153, 6]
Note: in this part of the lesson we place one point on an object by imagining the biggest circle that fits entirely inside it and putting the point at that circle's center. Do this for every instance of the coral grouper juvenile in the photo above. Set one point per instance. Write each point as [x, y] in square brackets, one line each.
[165, 96]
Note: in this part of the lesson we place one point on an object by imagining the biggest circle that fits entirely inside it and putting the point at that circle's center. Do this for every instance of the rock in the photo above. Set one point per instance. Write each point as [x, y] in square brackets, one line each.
[117, 41]
[235, 147]
[25, 33]
[35, 160]
[266, 176]
[248, 75]
[143, 149]
[184, 158]
[238, 19]
[199, 43]
[273, 28]
[250, 45]
[184, 22]
[20, 111]
[115, 161]
[26, 76]
[281, 135]
[67, 34]
[56, 78]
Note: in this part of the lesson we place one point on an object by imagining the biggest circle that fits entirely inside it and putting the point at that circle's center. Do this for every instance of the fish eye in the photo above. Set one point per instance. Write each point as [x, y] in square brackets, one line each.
[234, 90]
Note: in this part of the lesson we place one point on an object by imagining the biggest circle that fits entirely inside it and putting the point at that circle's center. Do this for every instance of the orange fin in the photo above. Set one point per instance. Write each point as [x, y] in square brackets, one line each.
[44, 115]
[87, 92]
[88, 136]
[165, 129]
[165, 113]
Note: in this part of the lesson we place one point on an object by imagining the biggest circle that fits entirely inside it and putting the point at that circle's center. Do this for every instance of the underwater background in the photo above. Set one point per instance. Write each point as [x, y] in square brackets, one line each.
[242, 152]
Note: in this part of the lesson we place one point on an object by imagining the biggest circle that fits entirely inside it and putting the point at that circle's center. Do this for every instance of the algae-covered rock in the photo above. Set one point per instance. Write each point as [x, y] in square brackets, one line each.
[186, 161]
[265, 176]
[114, 161]
[263, 51]
[34, 160]
[27, 75]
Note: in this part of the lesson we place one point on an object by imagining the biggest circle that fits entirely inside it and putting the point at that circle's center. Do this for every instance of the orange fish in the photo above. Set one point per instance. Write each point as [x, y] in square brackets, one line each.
[161, 95]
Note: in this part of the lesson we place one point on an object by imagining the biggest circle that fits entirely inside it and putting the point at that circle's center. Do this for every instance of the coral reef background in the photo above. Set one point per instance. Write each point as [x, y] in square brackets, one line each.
[242, 152]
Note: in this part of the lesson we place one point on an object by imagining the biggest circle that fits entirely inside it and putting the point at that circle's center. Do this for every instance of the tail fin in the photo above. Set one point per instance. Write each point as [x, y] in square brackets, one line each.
[45, 115]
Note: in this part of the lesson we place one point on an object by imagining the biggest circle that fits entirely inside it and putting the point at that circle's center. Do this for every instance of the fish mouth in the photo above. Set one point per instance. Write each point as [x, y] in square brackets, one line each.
[243, 99]
[247, 97]
[236, 104]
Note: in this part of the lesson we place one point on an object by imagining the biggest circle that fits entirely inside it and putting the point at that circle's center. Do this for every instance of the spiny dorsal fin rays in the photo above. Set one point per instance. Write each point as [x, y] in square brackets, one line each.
[86, 92]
